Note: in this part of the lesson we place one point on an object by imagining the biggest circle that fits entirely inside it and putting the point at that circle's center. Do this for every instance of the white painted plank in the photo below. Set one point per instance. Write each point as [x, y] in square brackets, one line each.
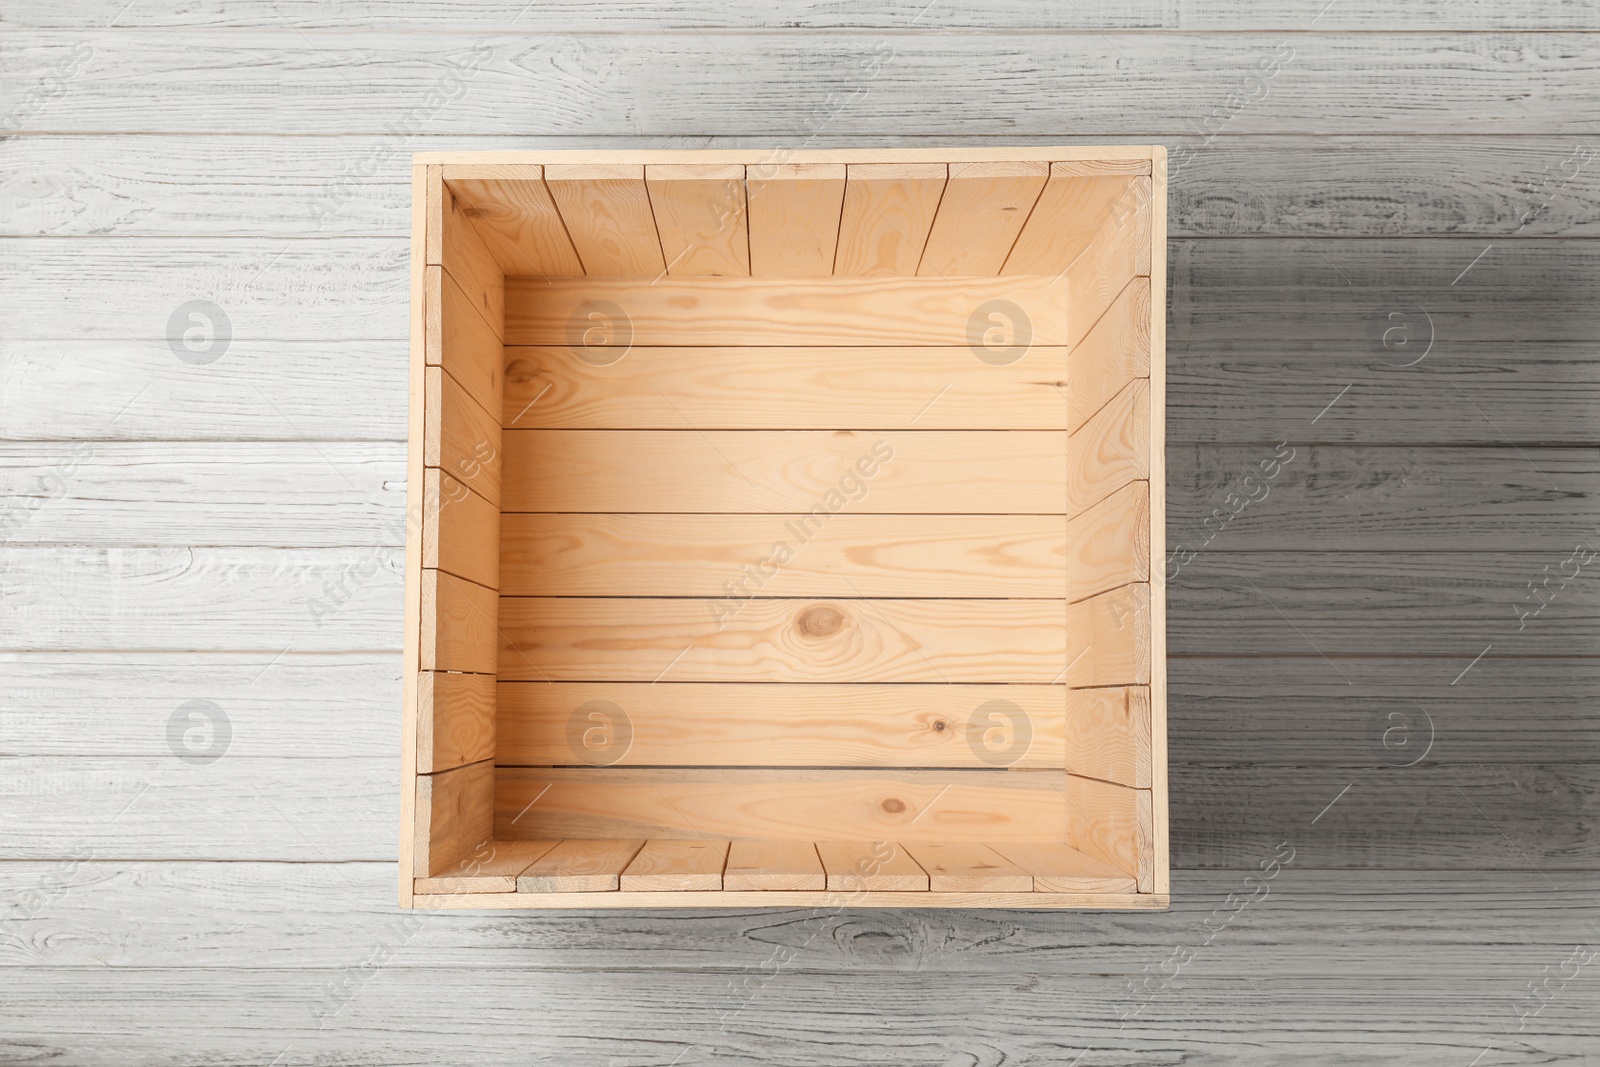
[77, 704]
[668, 82]
[270, 600]
[293, 493]
[75, 390]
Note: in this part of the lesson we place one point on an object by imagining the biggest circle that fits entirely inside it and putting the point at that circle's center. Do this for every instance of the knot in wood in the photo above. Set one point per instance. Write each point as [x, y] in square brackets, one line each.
[894, 806]
[821, 621]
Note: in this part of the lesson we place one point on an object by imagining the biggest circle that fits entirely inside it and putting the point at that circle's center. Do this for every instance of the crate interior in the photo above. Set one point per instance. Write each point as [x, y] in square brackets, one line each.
[786, 528]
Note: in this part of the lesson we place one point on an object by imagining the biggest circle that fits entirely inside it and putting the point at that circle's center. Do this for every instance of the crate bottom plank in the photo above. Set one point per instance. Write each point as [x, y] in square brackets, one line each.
[801, 899]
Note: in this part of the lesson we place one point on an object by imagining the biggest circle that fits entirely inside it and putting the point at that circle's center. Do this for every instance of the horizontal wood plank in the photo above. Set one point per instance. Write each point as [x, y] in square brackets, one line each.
[794, 388]
[773, 865]
[731, 558]
[664, 866]
[811, 472]
[588, 639]
[930, 806]
[734, 724]
[869, 311]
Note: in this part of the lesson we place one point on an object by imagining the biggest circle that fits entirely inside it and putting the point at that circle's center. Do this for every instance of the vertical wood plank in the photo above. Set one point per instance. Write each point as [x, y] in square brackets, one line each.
[969, 868]
[517, 217]
[980, 215]
[1158, 516]
[579, 867]
[462, 728]
[1111, 449]
[1070, 211]
[700, 216]
[455, 246]
[606, 209]
[773, 865]
[865, 866]
[664, 866]
[888, 210]
[455, 811]
[794, 217]
[489, 867]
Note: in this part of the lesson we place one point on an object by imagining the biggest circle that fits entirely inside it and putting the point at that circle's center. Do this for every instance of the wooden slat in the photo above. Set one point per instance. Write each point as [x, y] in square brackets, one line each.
[455, 246]
[1109, 544]
[870, 866]
[606, 209]
[1058, 868]
[1119, 252]
[455, 811]
[796, 388]
[1108, 735]
[969, 868]
[888, 210]
[1097, 168]
[773, 866]
[782, 805]
[460, 436]
[1108, 639]
[980, 216]
[808, 472]
[794, 217]
[1155, 221]
[1071, 210]
[735, 724]
[1112, 354]
[1112, 823]
[460, 341]
[665, 866]
[459, 727]
[731, 558]
[889, 311]
[700, 217]
[513, 204]
[458, 624]
[579, 867]
[1111, 449]
[490, 867]
[585, 639]
[460, 531]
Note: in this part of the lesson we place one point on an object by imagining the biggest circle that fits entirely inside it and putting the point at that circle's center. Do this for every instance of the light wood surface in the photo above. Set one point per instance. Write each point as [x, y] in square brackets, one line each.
[665, 866]
[578, 867]
[789, 805]
[773, 865]
[1058, 868]
[739, 723]
[459, 436]
[784, 471]
[887, 213]
[460, 531]
[789, 388]
[1112, 823]
[458, 624]
[1109, 735]
[517, 217]
[1111, 450]
[461, 341]
[871, 868]
[969, 868]
[606, 210]
[458, 723]
[1109, 544]
[732, 558]
[879, 310]
[794, 217]
[455, 812]
[927, 640]
[490, 867]
[700, 217]
[980, 215]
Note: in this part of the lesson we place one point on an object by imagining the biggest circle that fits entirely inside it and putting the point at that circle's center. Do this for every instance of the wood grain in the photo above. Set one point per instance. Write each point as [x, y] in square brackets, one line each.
[929, 806]
[700, 218]
[1108, 735]
[1057, 868]
[458, 624]
[457, 724]
[1111, 450]
[490, 867]
[1027, 641]
[1112, 823]
[788, 388]
[870, 866]
[459, 436]
[878, 311]
[579, 867]
[969, 868]
[887, 213]
[773, 865]
[460, 531]
[980, 214]
[731, 558]
[606, 210]
[664, 866]
[794, 217]
[736, 724]
[455, 811]
[812, 473]
[517, 218]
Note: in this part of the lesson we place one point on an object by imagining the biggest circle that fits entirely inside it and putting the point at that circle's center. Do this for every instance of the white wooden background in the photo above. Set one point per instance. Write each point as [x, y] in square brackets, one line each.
[1419, 179]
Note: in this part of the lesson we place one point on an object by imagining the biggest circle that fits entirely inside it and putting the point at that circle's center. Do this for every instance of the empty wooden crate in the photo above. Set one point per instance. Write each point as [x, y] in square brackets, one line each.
[780, 530]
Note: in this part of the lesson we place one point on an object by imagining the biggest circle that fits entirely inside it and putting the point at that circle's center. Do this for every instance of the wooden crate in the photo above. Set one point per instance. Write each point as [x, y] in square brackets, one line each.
[781, 530]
